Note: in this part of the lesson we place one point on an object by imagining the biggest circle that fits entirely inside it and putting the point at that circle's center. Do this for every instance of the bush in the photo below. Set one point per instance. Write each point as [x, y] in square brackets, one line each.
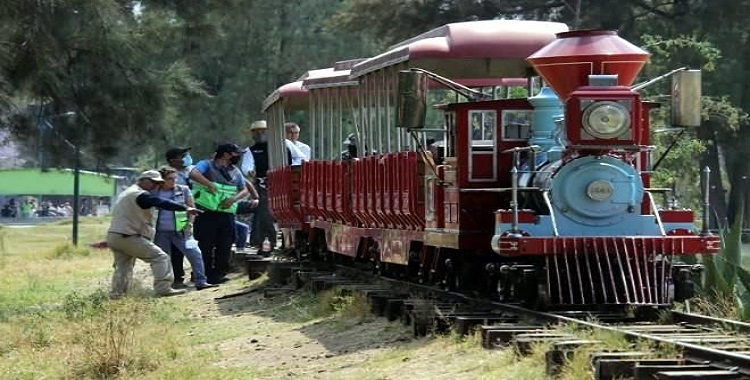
[77, 306]
[109, 338]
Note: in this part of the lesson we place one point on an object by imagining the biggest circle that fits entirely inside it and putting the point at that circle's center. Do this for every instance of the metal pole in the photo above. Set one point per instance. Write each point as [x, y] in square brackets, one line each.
[76, 193]
[706, 199]
[514, 200]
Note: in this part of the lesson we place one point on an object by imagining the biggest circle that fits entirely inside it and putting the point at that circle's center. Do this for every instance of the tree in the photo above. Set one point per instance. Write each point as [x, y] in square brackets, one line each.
[241, 51]
[89, 58]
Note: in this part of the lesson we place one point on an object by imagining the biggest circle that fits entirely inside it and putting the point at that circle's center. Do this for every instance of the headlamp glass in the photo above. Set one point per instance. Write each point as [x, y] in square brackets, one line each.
[606, 120]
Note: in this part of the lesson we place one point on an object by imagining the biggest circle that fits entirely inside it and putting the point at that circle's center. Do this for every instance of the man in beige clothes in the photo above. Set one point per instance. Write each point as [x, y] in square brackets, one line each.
[130, 234]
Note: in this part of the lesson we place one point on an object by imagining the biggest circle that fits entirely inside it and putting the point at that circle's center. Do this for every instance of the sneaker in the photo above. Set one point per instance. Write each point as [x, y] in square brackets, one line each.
[171, 292]
[179, 285]
[206, 286]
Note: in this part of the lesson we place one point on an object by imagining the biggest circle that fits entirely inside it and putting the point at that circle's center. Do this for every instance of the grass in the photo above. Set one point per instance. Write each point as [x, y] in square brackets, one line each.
[53, 306]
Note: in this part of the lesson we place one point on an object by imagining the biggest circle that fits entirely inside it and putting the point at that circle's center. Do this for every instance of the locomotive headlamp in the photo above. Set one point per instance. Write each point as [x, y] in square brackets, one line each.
[606, 119]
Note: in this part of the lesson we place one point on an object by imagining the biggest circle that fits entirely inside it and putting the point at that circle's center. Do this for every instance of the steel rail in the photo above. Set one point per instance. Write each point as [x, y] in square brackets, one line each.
[734, 361]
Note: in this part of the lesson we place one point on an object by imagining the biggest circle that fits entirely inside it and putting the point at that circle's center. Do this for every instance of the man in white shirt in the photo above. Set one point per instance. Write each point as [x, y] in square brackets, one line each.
[299, 151]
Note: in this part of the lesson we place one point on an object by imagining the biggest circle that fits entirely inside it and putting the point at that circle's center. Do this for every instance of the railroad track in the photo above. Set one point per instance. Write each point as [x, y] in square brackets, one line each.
[701, 347]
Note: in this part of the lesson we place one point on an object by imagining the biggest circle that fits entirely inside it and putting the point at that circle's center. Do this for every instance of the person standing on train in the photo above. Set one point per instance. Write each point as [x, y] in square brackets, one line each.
[174, 229]
[298, 151]
[256, 168]
[218, 186]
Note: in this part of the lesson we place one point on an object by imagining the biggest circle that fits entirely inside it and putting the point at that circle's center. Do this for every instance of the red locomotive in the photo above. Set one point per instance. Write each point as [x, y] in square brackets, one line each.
[543, 199]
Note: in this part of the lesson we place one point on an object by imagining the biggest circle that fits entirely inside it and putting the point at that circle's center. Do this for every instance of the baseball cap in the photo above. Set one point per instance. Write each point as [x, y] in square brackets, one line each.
[176, 152]
[152, 175]
[258, 124]
[228, 148]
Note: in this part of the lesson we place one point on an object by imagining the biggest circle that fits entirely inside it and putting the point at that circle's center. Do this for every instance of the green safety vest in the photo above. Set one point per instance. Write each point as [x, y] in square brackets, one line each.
[180, 220]
[212, 202]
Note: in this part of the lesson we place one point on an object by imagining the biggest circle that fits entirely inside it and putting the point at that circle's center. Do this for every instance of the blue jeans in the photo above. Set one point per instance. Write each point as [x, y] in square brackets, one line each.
[169, 240]
[241, 230]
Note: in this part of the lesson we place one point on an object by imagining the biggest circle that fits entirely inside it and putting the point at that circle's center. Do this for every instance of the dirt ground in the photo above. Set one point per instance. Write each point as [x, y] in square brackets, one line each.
[277, 341]
[282, 347]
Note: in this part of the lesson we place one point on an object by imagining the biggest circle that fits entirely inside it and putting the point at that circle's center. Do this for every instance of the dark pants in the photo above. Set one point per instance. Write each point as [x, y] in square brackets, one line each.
[177, 267]
[215, 234]
[262, 220]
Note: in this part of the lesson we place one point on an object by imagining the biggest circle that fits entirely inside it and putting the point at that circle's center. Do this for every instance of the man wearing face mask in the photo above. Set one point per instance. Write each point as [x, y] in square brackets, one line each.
[255, 166]
[218, 186]
[179, 158]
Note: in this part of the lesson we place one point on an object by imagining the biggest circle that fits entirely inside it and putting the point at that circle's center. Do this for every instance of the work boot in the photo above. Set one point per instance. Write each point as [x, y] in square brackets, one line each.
[171, 292]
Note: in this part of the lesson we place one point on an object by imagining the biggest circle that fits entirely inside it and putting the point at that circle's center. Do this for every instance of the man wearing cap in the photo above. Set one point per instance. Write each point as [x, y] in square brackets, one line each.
[262, 226]
[179, 158]
[131, 231]
[219, 185]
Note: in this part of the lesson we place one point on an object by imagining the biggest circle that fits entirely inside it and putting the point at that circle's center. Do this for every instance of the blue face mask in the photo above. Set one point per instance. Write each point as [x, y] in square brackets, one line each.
[187, 160]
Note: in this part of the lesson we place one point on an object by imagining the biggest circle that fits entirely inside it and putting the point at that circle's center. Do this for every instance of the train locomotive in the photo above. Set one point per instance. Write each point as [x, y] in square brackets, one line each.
[544, 200]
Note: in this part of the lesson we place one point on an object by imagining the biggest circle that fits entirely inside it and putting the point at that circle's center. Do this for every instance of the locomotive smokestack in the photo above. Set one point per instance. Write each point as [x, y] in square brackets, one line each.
[567, 62]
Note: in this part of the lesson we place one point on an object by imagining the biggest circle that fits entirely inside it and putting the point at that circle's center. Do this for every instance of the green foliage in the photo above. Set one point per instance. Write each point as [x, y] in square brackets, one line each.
[336, 302]
[725, 285]
[78, 306]
[170, 73]
[689, 51]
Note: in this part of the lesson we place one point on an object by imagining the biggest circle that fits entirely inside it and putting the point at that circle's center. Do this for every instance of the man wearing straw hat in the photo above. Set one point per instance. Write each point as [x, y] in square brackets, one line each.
[255, 166]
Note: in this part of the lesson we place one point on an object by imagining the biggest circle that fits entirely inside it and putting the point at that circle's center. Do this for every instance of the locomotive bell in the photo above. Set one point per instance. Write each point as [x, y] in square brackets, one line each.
[411, 107]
